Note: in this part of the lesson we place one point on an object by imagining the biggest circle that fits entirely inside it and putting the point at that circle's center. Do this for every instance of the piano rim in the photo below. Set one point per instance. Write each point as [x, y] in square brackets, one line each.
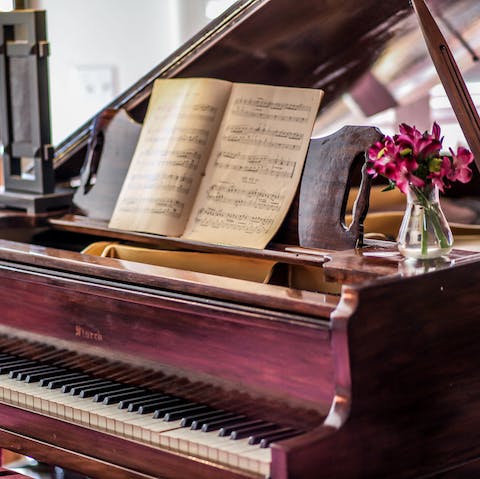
[297, 305]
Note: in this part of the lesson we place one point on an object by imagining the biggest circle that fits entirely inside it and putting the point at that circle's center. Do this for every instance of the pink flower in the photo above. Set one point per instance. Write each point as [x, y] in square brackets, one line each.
[460, 170]
[379, 157]
[405, 177]
[420, 145]
[413, 158]
[438, 177]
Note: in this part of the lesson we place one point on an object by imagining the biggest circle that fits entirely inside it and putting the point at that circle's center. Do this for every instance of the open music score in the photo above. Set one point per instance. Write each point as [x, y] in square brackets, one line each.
[216, 161]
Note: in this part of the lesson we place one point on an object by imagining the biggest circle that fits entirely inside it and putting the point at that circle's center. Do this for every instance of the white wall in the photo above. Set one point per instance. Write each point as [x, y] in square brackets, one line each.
[101, 47]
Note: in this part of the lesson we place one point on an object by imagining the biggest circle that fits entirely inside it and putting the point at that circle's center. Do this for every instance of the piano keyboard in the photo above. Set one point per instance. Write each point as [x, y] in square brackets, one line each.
[138, 413]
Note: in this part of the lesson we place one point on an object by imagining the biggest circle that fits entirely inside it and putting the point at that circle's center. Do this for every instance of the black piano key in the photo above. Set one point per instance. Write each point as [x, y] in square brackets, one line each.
[15, 372]
[175, 415]
[197, 424]
[75, 387]
[22, 375]
[92, 390]
[39, 375]
[5, 368]
[244, 432]
[118, 397]
[256, 438]
[7, 357]
[199, 417]
[228, 429]
[58, 382]
[124, 389]
[133, 405]
[220, 423]
[156, 404]
[25, 367]
[160, 412]
[276, 436]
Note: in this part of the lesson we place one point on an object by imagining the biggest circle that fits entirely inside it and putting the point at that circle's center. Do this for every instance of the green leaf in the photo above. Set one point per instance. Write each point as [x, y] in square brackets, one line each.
[434, 165]
[391, 186]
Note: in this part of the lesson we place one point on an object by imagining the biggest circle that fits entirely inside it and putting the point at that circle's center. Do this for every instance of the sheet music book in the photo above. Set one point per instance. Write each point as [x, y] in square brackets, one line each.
[216, 161]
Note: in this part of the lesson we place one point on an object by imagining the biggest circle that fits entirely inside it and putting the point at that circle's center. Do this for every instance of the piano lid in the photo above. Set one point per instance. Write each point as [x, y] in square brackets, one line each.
[328, 44]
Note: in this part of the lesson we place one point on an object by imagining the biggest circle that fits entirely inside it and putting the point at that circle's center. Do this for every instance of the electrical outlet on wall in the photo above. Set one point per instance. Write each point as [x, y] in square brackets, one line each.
[95, 85]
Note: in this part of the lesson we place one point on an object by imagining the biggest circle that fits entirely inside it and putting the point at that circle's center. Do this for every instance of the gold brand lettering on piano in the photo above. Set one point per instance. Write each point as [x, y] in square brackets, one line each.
[87, 333]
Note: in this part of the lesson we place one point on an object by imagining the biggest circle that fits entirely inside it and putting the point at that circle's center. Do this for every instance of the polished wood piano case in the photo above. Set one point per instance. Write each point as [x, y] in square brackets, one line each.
[365, 365]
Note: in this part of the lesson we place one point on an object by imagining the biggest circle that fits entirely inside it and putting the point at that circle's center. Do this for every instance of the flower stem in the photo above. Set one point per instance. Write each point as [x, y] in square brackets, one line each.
[424, 232]
[430, 215]
[438, 228]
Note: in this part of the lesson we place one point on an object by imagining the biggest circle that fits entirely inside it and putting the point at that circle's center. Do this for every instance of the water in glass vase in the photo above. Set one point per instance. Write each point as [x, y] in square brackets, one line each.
[424, 232]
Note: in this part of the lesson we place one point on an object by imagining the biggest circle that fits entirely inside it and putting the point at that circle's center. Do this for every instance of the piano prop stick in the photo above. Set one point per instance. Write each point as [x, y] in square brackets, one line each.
[451, 78]
[25, 118]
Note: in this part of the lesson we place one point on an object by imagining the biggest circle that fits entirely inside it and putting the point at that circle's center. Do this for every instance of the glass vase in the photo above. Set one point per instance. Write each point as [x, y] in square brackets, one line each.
[424, 232]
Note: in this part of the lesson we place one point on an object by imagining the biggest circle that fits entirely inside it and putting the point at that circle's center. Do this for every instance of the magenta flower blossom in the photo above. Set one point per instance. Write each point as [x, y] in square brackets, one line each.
[413, 158]
[460, 170]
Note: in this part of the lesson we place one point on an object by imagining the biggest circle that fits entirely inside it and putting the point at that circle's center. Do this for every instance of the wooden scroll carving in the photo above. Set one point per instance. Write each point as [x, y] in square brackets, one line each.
[325, 186]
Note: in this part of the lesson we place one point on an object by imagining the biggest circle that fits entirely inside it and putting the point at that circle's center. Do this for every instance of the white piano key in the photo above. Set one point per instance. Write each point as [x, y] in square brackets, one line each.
[211, 446]
[229, 453]
[143, 428]
[259, 459]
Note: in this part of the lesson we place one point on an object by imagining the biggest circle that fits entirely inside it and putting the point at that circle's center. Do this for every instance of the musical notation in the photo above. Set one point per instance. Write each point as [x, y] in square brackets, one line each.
[266, 165]
[262, 103]
[169, 182]
[197, 112]
[173, 158]
[167, 207]
[261, 109]
[219, 219]
[195, 136]
[263, 115]
[245, 197]
[217, 161]
[263, 137]
[242, 130]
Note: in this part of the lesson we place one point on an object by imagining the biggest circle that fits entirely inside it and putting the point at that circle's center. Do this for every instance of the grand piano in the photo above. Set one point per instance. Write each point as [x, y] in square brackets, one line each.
[340, 360]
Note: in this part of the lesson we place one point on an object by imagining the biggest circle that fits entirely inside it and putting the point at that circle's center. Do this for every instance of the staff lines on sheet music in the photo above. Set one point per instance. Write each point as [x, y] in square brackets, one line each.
[269, 132]
[243, 112]
[240, 222]
[168, 182]
[259, 164]
[188, 164]
[191, 155]
[261, 103]
[184, 116]
[198, 111]
[163, 206]
[244, 197]
[168, 207]
[258, 140]
[198, 136]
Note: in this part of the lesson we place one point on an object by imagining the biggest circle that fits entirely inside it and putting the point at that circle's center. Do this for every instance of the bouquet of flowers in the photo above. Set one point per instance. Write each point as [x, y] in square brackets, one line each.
[415, 163]
[416, 159]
